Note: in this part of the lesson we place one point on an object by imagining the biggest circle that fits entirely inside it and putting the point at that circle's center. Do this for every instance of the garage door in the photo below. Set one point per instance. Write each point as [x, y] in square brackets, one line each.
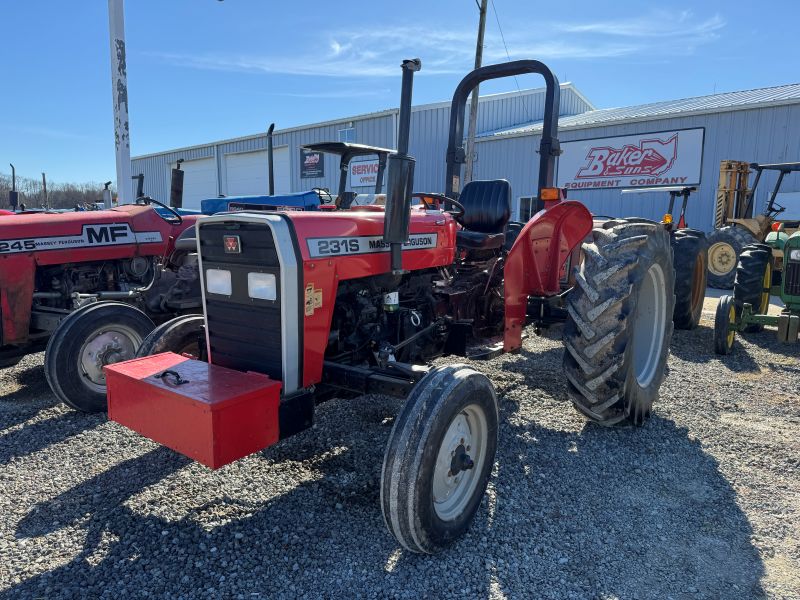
[247, 172]
[199, 182]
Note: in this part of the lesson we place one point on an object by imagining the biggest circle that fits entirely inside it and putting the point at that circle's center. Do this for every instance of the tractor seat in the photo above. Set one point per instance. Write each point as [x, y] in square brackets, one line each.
[487, 210]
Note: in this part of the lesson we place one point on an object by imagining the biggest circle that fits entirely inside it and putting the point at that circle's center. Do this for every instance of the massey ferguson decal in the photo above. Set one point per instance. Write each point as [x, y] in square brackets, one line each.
[643, 160]
[365, 244]
[104, 234]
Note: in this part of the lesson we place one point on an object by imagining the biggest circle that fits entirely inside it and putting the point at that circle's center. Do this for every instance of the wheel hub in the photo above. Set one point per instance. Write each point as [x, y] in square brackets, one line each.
[721, 258]
[105, 348]
[459, 462]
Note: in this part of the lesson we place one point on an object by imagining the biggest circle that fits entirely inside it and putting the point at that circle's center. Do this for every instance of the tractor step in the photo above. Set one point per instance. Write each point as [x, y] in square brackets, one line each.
[209, 413]
[490, 350]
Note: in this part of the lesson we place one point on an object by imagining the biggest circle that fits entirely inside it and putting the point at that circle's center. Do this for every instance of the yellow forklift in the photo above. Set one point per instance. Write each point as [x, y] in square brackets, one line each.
[735, 225]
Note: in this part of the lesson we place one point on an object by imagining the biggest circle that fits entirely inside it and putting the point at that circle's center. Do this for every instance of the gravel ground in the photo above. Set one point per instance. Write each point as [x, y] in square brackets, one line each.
[703, 502]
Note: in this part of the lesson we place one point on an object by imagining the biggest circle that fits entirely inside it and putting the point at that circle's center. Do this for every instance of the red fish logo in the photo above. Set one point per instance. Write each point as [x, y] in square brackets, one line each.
[650, 157]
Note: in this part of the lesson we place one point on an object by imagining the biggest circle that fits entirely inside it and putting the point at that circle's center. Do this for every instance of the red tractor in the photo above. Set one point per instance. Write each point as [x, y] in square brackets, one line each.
[56, 267]
[301, 307]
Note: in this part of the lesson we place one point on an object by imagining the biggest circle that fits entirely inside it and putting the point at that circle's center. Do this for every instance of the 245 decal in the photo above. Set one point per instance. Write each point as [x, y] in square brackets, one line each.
[104, 234]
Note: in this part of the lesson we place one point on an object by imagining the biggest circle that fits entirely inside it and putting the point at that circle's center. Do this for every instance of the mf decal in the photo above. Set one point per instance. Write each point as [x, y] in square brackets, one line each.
[106, 234]
[365, 244]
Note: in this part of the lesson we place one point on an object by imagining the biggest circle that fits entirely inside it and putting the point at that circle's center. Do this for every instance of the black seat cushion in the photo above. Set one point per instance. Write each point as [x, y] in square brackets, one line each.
[487, 205]
[475, 240]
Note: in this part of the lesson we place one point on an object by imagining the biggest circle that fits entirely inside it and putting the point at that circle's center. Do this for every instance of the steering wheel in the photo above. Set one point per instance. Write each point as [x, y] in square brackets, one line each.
[323, 194]
[426, 197]
[178, 218]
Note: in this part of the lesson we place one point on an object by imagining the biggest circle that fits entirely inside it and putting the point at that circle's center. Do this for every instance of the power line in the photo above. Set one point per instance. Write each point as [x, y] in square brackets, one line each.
[508, 56]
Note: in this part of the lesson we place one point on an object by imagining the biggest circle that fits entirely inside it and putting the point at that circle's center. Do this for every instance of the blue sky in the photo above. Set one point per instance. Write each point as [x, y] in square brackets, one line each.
[201, 70]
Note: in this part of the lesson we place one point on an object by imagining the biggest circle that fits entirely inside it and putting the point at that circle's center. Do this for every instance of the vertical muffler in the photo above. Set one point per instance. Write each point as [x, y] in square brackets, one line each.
[176, 186]
[400, 180]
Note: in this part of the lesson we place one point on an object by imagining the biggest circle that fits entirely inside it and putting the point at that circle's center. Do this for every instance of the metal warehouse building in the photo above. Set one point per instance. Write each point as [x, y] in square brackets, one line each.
[677, 142]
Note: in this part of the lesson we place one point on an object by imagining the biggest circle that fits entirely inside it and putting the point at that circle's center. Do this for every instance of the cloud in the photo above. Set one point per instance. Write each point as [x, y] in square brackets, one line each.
[375, 52]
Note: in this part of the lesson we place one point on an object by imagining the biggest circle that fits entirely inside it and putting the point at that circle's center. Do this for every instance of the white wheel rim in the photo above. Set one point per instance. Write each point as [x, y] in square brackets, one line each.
[468, 432]
[105, 346]
[721, 258]
[650, 325]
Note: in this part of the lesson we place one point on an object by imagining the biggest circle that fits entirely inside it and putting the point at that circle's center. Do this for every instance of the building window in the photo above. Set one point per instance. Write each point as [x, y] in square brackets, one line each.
[347, 135]
[527, 206]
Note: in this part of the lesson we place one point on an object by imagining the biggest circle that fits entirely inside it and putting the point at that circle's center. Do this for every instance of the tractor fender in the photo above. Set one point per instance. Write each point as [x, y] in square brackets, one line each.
[16, 297]
[533, 264]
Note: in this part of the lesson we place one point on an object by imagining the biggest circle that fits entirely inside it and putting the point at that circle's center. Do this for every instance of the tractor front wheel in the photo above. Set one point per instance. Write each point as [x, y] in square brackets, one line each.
[619, 322]
[181, 335]
[690, 259]
[725, 317]
[439, 458]
[86, 341]
[753, 280]
[724, 246]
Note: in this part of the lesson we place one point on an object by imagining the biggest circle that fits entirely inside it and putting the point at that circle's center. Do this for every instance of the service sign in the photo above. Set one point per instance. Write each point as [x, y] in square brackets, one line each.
[364, 173]
[641, 160]
[312, 164]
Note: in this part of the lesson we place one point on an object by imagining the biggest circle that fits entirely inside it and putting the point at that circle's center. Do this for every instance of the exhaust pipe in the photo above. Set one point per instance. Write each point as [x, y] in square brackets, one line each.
[270, 162]
[400, 181]
[107, 200]
[13, 195]
[176, 186]
[139, 185]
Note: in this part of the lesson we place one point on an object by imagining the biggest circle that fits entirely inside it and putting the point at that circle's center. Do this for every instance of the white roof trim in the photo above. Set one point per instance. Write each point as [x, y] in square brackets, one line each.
[537, 128]
[361, 117]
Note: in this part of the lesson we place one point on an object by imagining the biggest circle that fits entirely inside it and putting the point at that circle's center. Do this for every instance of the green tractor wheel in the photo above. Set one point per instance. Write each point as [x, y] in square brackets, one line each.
[753, 279]
[723, 334]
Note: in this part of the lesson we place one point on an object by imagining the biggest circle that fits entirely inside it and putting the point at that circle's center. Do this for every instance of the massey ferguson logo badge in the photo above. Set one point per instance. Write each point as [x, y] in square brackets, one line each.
[232, 244]
[650, 157]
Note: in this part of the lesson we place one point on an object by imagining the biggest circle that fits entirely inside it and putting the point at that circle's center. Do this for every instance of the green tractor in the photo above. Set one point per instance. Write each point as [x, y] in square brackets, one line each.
[771, 268]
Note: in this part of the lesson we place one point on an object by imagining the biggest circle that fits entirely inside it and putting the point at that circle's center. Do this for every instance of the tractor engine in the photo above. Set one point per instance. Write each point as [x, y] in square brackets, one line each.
[377, 321]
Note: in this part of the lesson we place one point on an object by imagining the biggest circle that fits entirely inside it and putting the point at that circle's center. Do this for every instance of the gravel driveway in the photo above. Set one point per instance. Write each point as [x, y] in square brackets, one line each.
[703, 502]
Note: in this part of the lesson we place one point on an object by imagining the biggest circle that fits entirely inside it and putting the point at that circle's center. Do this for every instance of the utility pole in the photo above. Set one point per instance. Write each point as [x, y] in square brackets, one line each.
[473, 107]
[119, 94]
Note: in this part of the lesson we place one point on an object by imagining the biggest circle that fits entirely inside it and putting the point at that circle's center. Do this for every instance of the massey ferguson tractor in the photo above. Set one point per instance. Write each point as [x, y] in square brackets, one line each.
[301, 307]
[98, 277]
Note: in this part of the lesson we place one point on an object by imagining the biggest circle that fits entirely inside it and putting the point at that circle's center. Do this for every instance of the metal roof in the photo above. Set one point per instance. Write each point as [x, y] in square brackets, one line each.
[728, 101]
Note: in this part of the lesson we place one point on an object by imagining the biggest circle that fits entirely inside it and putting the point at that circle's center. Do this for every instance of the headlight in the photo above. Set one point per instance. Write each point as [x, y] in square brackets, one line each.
[262, 286]
[794, 254]
[218, 281]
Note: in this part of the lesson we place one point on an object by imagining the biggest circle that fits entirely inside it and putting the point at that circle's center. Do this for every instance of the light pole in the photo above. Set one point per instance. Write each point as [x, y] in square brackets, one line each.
[119, 93]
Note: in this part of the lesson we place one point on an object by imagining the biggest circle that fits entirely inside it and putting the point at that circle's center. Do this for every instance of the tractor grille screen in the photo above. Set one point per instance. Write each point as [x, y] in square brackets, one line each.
[792, 279]
[243, 333]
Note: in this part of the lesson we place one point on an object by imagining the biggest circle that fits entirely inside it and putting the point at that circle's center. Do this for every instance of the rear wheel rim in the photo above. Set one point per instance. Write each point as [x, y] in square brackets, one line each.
[467, 433]
[731, 319]
[698, 289]
[650, 325]
[764, 305]
[721, 258]
[105, 346]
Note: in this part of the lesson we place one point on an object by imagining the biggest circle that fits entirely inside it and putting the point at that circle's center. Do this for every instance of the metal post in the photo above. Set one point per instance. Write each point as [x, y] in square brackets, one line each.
[473, 107]
[270, 161]
[119, 93]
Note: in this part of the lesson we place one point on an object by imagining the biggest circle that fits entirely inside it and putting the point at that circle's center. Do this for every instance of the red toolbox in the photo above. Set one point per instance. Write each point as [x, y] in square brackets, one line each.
[209, 413]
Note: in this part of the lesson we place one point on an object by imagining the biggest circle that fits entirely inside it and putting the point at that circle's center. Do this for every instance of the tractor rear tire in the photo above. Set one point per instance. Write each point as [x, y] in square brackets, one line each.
[181, 335]
[726, 315]
[439, 458]
[619, 322]
[753, 277]
[724, 247]
[690, 259]
[100, 334]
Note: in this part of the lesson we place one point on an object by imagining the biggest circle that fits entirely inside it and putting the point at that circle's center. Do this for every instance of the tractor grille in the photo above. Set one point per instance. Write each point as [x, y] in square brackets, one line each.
[243, 333]
[791, 279]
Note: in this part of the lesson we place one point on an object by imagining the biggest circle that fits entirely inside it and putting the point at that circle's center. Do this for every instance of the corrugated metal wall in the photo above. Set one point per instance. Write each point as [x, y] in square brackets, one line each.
[429, 126]
[764, 135]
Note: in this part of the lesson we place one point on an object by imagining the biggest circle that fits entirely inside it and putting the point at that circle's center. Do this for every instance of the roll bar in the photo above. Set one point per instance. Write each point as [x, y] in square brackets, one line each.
[549, 148]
